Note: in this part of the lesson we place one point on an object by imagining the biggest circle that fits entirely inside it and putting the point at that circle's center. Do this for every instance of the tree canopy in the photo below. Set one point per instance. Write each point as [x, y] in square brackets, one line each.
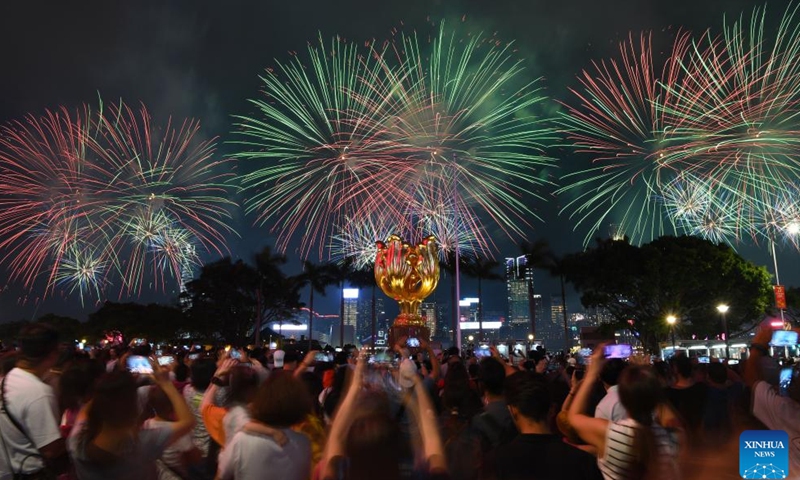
[682, 276]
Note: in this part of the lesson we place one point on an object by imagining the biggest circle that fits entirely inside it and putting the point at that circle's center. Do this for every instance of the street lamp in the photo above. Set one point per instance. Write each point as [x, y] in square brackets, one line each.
[723, 309]
[671, 320]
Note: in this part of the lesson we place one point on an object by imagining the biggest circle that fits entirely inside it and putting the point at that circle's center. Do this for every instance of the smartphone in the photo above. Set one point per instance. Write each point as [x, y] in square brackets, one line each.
[163, 361]
[579, 373]
[139, 341]
[235, 354]
[413, 342]
[139, 364]
[784, 338]
[483, 351]
[194, 356]
[785, 381]
[321, 357]
[618, 351]
[703, 360]
[159, 353]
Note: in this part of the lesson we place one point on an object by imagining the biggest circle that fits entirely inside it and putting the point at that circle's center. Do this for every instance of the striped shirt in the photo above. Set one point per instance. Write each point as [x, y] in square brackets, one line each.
[618, 460]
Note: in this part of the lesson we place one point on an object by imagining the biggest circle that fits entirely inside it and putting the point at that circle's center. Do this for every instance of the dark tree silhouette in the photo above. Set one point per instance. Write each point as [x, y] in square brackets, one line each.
[682, 276]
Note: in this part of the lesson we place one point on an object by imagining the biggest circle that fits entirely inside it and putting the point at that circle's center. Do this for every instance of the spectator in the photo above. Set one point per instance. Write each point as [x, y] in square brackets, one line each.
[330, 396]
[460, 403]
[107, 442]
[178, 459]
[536, 453]
[494, 426]
[29, 418]
[113, 358]
[181, 373]
[724, 391]
[688, 398]
[365, 443]
[610, 407]
[775, 411]
[258, 451]
[75, 389]
[637, 447]
[201, 372]
[222, 423]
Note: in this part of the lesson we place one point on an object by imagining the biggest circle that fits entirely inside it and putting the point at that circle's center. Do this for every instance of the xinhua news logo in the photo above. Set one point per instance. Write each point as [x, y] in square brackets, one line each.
[764, 454]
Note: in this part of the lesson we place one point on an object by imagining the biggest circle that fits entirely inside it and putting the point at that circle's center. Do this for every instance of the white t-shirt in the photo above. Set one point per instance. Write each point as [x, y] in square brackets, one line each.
[33, 405]
[250, 456]
[779, 413]
[236, 418]
[610, 408]
[173, 454]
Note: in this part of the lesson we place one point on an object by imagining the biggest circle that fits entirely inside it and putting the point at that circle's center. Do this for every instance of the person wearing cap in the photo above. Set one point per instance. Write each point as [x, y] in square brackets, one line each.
[277, 359]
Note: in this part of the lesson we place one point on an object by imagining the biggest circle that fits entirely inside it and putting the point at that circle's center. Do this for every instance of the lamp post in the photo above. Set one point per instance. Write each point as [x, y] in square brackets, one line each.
[723, 309]
[671, 321]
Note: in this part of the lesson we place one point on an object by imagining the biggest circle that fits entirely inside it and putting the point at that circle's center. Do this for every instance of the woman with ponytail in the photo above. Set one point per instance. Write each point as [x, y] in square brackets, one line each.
[644, 445]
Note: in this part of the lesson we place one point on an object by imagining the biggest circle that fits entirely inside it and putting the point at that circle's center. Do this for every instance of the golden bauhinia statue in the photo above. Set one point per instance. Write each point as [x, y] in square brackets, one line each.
[408, 273]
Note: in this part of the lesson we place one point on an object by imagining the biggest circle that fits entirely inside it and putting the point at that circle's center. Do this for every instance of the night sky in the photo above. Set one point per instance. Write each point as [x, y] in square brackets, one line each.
[202, 58]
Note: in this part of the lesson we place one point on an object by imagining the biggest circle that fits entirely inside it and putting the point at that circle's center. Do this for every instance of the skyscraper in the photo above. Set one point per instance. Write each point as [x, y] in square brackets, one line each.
[551, 329]
[519, 279]
[350, 296]
[430, 312]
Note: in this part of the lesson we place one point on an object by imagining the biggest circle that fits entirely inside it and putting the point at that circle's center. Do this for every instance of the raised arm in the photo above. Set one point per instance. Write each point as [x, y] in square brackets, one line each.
[212, 414]
[308, 360]
[591, 430]
[510, 370]
[343, 417]
[429, 429]
[184, 419]
[435, 367]
[759, 349]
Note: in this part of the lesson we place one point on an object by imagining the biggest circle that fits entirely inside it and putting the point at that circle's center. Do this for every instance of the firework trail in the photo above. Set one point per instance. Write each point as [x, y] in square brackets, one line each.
[617, 120]
[87, 198]
[318, 159]
[354, 134]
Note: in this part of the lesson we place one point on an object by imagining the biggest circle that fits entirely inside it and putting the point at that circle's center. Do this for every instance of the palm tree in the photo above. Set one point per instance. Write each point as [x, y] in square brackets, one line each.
[318, 277]
[268, 268]
[537, 256]
[482, 269]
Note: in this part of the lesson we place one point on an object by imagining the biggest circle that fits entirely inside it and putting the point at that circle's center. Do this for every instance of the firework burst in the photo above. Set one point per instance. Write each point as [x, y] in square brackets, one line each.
[618, 122]
[86, 195]
[356, 134]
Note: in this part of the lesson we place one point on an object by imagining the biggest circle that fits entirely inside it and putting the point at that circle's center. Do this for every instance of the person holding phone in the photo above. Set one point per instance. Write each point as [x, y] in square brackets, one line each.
[773, 410]
[108, 441]
[688, 397]
[641, 446]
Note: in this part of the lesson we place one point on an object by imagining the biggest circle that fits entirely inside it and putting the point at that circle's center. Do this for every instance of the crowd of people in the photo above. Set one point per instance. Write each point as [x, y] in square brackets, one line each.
[133, 413]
